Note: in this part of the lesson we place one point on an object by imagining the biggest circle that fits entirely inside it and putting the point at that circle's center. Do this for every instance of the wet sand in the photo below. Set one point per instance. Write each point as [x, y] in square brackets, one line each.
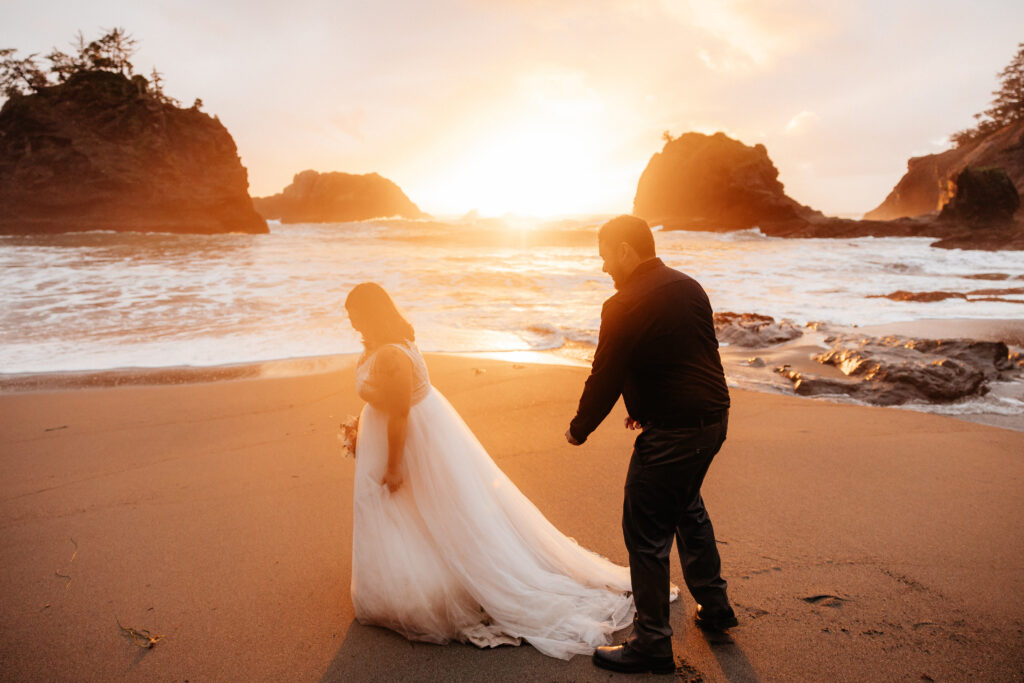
[859, 543]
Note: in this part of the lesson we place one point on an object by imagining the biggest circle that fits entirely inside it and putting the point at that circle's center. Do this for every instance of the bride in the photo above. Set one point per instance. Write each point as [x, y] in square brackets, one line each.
[444, 546]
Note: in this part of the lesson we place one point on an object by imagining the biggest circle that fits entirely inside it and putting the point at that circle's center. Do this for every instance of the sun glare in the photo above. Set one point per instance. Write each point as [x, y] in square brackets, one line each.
[540, 157]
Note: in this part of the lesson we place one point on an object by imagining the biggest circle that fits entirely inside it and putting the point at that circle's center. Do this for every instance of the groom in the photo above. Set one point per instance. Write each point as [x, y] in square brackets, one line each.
[657, 348]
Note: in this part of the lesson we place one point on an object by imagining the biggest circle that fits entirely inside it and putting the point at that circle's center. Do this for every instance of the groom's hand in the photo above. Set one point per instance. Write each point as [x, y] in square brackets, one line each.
[570, 438]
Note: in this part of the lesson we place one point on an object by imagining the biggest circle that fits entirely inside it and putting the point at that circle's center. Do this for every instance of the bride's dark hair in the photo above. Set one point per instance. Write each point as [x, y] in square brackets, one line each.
[374, 315]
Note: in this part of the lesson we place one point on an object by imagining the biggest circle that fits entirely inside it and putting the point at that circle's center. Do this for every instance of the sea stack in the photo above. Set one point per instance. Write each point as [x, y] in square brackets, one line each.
[316, 197]
[102, 151]
[713, 182]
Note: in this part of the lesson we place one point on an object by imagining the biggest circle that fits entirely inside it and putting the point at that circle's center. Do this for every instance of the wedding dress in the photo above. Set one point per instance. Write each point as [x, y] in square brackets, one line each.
[458, 552]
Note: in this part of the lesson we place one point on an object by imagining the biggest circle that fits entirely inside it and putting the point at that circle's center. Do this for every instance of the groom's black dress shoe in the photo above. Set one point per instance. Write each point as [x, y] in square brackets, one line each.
[718, 620]
[623, 659]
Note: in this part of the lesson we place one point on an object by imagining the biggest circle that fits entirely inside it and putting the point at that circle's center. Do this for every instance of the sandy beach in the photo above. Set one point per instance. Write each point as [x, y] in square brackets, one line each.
[859, 543]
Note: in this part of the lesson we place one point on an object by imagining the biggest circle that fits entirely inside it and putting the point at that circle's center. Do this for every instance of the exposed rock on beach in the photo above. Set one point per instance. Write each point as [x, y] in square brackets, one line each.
[895, 370]
[751, 330]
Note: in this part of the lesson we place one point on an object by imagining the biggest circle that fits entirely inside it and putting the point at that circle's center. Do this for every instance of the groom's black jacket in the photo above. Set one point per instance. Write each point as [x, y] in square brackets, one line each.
[657, 348]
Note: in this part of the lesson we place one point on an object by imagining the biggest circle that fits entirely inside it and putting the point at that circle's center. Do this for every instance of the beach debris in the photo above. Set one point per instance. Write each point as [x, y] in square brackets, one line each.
[348, 432]
[139, 637]
[54, 429]
[518, 366]
[756, 362]
[66, 574]
[685, 672]
[479, 371]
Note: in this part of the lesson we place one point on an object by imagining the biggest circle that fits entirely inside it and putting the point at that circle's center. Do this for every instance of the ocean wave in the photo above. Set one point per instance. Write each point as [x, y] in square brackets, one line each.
[545, 336]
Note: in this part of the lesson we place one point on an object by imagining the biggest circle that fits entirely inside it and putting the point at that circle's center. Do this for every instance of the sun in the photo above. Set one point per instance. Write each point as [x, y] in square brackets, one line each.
[545, 155]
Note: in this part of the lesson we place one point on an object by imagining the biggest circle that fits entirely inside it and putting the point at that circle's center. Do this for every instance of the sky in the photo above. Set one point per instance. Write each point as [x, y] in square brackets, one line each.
[555, 108]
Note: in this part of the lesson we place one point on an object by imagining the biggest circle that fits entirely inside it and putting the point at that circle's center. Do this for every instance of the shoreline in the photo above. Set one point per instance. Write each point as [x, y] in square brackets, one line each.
[741, 375]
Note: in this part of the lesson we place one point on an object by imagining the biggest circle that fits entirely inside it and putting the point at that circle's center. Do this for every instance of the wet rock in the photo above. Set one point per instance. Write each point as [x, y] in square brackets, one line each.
[756, 362]
[752, 330]
[973, 295]
[926, 297]
[981, 196]
[895, 370]
[996, 292]
[987, 276]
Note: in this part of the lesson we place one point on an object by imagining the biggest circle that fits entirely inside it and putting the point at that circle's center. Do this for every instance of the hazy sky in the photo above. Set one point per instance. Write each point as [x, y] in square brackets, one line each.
[556, 107]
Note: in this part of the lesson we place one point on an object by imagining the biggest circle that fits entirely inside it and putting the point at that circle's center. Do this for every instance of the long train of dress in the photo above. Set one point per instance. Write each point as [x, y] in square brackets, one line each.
[459, 553]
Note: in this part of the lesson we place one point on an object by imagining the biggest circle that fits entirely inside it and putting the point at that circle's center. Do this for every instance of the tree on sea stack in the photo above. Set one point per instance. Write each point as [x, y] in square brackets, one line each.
[1007, 103]
[88, 144]
[110, 52]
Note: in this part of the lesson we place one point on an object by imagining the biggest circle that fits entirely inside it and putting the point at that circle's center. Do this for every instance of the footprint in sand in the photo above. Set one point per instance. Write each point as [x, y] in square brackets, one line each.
[825, 600]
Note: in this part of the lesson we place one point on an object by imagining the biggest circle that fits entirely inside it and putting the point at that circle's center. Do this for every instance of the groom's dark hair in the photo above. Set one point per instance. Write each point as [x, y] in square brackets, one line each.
[629, 229]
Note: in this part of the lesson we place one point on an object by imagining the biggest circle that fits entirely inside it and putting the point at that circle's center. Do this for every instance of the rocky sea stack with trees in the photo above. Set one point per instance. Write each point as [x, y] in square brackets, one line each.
[966, 198]
[88, 144]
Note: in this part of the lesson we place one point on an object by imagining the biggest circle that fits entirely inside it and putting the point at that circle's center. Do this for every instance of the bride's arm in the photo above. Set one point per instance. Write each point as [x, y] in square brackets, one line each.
[392, 372]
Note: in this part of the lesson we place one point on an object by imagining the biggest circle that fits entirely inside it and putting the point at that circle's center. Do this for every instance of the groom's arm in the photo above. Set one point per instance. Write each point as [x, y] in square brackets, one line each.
[607, 374]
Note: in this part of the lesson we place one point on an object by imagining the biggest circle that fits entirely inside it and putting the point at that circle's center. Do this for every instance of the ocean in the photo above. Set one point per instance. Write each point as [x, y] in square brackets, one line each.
[102, 300]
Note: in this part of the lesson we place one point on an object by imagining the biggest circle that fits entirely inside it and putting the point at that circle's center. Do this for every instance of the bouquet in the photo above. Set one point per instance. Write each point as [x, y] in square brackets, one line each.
[347, 432]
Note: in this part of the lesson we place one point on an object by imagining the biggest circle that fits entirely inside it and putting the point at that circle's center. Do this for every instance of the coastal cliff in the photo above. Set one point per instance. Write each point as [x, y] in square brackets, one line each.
[316, 197]
[713, 182]
[925, 188]
[102, 151]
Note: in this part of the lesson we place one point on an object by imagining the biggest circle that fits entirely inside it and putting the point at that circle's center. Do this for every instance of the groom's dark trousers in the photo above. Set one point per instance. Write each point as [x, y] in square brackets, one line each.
[657, 349]
[663, 503]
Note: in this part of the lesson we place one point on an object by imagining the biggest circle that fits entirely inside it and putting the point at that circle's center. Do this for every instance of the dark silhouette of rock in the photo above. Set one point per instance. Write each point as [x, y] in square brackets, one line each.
[101, 152]
[712, 182]
[981, 196]
[895, 370]
[333, 197]
[925, 188]
[752, 330]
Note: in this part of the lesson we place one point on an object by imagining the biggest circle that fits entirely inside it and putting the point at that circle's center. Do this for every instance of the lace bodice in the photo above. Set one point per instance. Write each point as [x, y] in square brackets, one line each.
[420, 378]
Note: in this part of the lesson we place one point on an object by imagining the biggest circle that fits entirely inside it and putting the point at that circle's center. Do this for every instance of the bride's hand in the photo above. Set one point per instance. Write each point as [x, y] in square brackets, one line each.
[393, 480]
[632, 424]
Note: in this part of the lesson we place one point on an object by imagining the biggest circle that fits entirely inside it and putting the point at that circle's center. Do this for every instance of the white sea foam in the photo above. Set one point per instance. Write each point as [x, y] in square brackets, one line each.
[100, 300]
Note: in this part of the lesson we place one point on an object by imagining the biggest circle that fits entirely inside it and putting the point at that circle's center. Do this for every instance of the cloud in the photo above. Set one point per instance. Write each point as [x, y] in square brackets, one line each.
[801, 122]
[746, 35]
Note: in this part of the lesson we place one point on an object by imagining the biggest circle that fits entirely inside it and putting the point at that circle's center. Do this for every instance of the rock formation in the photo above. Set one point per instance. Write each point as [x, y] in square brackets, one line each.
[752, 330]
[102, 152]
[712, 182]
[981, 196]
[925, 187]
[896, 370]
[333, 197]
